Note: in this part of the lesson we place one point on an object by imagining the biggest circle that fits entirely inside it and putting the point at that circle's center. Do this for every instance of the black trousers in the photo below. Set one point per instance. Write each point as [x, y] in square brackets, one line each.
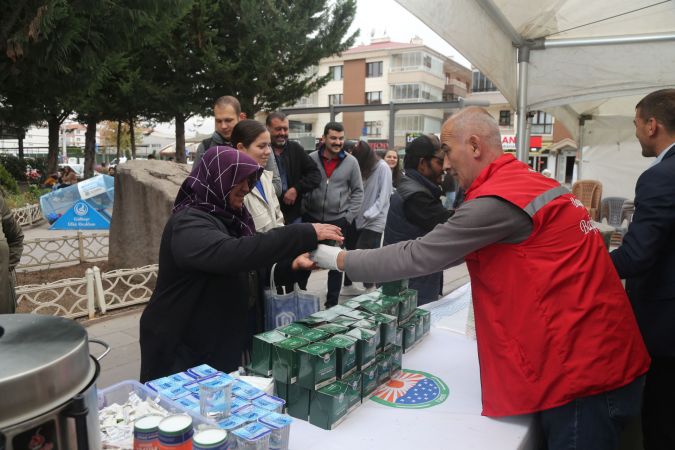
[658, 405]
[334, 283]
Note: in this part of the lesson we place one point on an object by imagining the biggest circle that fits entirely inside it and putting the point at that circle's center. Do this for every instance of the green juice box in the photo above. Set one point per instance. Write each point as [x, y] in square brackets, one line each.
[311, 321]
[297, 403]
[293, 329]
[407, 305]
[366, 346]
[333, 328]
[389, 305]
[262, 351]
[329, 405]
[344, 321]
[340, 309]
[353, 304]
[419, 328]
[286, 359]
[394, 287]
[371, 307]
[383, 361]
[357, 314]
[316, 365]
[425, 316]
[369, 381]
[408, 336]
[326, 315]
[396, 362]
[314, 335]
[370, 325]
[399, 337]
[354, 383]
[345, 352]
[388, 325]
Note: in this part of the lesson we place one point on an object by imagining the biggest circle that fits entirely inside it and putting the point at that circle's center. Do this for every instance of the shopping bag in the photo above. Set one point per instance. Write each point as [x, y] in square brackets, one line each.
[282, 309]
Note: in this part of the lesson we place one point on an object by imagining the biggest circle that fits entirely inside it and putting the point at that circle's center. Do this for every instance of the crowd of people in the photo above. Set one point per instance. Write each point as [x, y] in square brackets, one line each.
[557, 333]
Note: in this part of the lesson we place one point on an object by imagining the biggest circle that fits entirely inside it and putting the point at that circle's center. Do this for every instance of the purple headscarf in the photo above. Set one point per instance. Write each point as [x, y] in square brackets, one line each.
[211, 181]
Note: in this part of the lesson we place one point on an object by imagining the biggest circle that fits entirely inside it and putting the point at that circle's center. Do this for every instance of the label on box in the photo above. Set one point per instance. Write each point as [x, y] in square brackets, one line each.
[246, 391]
[202, 371]
[276, 420]
[252, 431]
[293, 329]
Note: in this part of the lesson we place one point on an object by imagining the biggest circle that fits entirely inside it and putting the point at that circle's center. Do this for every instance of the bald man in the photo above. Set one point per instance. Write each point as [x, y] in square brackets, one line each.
[556, 334]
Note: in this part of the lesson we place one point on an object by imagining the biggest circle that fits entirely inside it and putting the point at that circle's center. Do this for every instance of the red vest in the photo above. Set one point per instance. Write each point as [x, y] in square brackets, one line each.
[553, 321]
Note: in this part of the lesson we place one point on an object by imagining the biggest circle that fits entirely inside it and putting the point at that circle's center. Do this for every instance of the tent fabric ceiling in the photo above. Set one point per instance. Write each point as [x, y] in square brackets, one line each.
[580, 79]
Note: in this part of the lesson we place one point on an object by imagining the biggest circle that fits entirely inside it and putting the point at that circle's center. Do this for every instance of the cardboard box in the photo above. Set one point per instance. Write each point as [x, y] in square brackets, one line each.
[388, 325]
[327, 315]
[297, 404]
[407, 305]
[293, 329]
[352, 304]
[366, 346]
[399, 337]
[371, 307]
[394, 287]
[369, 381]
[262, 350]
[333, 328]
[314, 335]
[316, 365]
[344, 321]
[354, 383]
[425, 316]
[389, 305]
[357, 314]
[419, 328]
[383, 361]
[345, 354]
[340, 309]
[286, 359]
[329, 405]
[311, 321]
[396, 359]
[408, 336]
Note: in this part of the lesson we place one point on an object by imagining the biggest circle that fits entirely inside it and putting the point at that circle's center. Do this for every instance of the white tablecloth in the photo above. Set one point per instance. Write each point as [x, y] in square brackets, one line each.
[454, 424]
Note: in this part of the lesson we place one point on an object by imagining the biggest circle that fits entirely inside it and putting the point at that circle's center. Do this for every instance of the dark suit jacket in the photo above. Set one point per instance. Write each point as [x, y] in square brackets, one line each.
[302, 174]
[646, 258]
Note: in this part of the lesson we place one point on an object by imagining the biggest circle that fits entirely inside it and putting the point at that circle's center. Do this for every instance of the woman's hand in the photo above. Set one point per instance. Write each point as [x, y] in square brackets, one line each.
[326, 232]
[303, 262]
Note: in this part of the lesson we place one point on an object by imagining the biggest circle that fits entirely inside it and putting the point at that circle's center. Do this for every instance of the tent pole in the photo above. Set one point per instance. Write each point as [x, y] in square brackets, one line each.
[523, 147]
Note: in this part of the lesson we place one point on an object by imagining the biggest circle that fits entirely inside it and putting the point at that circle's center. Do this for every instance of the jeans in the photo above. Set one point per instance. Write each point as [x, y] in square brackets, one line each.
[594, 422]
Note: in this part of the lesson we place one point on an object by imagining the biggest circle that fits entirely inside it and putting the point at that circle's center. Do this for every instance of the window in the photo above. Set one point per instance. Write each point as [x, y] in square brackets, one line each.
[481, 83]
[374, 69]
[335, 99]
[373, 128]
[374, 98]
[542, 123]
[505, 118]
[409, 124]
[427, 61]
[415, 92]
[335, 73]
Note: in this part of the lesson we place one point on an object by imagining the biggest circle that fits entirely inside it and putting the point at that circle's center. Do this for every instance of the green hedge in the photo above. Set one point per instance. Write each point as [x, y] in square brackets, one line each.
[7, 182]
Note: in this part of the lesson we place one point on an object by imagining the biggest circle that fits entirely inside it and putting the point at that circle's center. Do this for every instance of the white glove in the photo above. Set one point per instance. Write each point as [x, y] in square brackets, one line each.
[325, 256]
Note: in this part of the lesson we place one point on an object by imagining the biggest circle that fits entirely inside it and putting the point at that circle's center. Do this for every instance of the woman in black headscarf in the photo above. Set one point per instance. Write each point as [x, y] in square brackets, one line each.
[208, 300]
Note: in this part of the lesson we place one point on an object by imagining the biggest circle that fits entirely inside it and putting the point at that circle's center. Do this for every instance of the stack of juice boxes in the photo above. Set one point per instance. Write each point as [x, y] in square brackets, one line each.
[252, 419]
[326, 364]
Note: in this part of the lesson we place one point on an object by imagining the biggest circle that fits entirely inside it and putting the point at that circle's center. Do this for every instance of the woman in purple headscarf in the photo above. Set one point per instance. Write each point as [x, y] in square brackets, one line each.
[208, 299]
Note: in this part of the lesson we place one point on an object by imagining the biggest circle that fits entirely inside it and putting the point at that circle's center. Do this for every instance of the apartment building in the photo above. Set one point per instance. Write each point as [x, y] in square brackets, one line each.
[379, 73]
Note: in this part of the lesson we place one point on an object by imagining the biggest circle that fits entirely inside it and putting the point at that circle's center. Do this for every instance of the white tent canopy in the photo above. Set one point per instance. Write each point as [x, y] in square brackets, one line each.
[586, 58]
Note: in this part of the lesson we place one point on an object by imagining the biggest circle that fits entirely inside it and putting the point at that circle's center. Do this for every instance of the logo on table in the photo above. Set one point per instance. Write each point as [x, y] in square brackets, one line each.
[81, 209]
[412, 389]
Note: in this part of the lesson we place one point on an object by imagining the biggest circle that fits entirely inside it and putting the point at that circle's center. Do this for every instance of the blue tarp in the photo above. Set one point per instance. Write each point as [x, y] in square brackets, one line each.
[85, 205]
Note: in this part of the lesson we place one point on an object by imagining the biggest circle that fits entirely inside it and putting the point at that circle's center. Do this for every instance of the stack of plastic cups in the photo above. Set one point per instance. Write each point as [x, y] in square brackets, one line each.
[254, 436]
[215, 399]
[281, 430]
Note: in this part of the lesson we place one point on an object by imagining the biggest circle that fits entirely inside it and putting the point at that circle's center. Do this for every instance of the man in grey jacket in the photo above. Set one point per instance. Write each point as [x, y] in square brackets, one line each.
[338, 198]
[227, 113]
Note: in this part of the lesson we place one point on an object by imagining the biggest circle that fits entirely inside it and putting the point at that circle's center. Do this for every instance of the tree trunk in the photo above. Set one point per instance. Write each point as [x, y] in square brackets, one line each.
[22, 135]
[90, 147]
[132, 137]
[54, 126]
[180, 139]
[119, 140]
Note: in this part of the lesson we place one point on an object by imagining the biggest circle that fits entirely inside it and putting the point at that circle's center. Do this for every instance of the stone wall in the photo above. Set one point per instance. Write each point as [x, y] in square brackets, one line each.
[144, 194]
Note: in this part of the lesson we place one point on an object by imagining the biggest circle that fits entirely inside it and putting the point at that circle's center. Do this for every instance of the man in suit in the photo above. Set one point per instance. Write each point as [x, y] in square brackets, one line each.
[646, 259]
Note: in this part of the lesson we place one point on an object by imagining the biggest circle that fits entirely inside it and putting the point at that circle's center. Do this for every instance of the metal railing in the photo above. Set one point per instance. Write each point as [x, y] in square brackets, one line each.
[81, 297]
[65, 249]
[28, 215]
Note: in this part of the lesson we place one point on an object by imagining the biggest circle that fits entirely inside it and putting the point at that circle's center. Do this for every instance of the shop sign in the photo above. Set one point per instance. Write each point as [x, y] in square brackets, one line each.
[509, 142]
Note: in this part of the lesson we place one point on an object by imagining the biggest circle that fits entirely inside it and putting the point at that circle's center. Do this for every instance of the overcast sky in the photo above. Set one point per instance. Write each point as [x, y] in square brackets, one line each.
[375, 18]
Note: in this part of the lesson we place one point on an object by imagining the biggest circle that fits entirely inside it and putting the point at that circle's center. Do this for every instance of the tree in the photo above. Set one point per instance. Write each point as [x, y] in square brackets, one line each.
[273, 62]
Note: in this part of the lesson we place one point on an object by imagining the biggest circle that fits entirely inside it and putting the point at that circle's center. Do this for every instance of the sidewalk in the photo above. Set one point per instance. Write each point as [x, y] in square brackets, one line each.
[121, 331]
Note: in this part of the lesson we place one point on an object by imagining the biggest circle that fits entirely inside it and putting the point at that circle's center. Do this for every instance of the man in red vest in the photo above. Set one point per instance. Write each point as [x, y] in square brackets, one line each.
[555, 331]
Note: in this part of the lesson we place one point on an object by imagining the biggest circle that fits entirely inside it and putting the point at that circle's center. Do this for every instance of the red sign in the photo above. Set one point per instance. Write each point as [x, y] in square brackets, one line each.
[509, 142]
[378, 144]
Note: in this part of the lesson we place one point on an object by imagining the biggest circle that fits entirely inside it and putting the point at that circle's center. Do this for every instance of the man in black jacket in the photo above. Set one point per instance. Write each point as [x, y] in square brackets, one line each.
[297, 171]
[416, 207]
[646, 259]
